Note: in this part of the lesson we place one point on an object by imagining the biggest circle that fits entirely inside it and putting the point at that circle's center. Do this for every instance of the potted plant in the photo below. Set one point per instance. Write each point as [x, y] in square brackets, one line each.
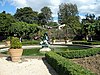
[15, 49]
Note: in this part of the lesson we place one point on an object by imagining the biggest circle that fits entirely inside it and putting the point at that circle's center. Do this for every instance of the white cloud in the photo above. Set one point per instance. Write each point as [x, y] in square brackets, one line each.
[84, 6]
[18, 3]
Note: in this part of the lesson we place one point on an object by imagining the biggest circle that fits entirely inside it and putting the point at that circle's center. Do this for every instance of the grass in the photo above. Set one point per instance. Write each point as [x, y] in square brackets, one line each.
[30, 42]
[87, 42]
[33, 52]
[36, 52]
[30, 52]
[68, 48]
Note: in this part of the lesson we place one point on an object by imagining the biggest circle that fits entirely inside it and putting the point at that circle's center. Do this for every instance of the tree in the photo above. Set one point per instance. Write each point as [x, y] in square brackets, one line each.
[97, 27]
[52, 24]
[5, 23]
[19, 28]
[68, 14]
[41, 19]
[27, 15]
[23, 29]
[47, 14]
[89, 26]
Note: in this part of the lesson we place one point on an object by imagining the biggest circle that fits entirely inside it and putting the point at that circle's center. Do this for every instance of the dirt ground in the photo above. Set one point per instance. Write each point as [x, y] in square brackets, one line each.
[92, 63]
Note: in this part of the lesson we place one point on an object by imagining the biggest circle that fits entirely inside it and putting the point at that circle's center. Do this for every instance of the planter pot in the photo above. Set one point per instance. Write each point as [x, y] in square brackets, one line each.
[7, 43]
[16, 54]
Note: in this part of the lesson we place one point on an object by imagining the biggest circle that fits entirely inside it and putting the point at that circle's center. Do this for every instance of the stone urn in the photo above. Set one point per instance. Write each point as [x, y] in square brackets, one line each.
[15, 54]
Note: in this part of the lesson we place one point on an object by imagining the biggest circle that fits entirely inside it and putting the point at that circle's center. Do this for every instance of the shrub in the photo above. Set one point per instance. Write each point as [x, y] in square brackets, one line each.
[15, 43]
[30, 42]
[87, 43]
[8, 38]
[65, 66]
[80, 53]
[82, 42]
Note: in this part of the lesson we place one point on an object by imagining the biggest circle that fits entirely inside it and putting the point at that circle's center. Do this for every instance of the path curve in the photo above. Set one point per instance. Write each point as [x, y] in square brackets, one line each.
[27, 67]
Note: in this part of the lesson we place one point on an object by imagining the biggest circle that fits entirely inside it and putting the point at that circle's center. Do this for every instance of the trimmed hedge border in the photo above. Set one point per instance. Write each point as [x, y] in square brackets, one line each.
[65, 66]
[79, 53]
[30, 42]
[87, 43]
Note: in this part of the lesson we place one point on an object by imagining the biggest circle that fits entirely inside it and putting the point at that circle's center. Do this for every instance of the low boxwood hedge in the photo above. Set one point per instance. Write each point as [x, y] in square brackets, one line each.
[65, 66]
[80, 53]
[30, 42]
[87, 43]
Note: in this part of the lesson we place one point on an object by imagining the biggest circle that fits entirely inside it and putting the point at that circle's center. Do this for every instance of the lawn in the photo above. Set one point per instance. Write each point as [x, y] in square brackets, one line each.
[69, 48]
[33, 52]
[36, 52]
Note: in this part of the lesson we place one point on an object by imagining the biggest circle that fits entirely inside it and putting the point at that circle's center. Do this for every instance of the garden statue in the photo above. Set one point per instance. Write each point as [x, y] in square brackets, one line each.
[45, 40]
[45, 43]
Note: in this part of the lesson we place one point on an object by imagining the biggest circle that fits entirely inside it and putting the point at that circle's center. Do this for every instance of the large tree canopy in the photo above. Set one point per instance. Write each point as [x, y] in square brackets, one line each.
[23, 29]
[68, 14]
[46, 14]
[26, 14]
[5, 22]
[91, 27]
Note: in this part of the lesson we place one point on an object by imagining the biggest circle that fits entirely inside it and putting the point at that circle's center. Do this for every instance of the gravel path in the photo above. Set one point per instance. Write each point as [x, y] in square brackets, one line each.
[27, 67]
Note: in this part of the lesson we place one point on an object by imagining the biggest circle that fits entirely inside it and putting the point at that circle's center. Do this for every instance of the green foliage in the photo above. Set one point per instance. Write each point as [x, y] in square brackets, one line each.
[27, 15]
[89, 26]
[68, 14]
[5, 22]
[52, 24]
[8, 38]
[29, 52]
[79, 53]
[22, 28]
[31, 42]
[32, 52]
[15, 43]
[87, 43]
[45, 16]
[46, 13]
[53, 38]
[65, 66]
[41, 19]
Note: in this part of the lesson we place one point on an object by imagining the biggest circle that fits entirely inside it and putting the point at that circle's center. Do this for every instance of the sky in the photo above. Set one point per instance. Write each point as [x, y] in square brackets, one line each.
[84, 6]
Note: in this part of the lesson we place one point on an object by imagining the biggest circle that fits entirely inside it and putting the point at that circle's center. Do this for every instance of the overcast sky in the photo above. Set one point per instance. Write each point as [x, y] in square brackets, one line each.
[84, 6]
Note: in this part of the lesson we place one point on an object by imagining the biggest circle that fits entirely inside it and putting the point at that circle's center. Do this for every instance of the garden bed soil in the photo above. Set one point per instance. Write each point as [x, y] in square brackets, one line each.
[92, 63]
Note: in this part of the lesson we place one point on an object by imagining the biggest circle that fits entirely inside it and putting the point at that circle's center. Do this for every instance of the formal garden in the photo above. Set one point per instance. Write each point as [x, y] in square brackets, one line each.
[74, 45]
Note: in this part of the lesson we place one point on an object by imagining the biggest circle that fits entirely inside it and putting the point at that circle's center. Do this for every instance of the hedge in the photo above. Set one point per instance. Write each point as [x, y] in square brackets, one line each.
[87, 43]
[30, 42]
[65, 66]
[80, 53]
